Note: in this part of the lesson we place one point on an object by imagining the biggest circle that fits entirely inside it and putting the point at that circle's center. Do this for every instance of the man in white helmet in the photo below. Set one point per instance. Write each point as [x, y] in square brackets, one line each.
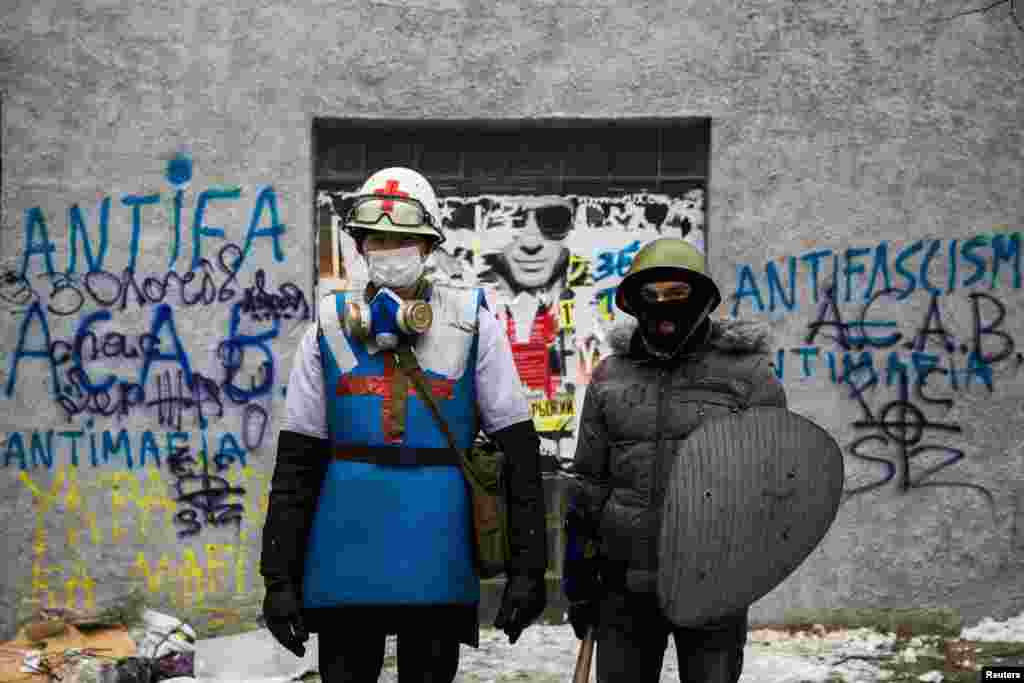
[368, 528]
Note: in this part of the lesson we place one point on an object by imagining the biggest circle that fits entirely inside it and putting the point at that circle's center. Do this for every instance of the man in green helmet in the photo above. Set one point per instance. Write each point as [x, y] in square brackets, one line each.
[670, 370]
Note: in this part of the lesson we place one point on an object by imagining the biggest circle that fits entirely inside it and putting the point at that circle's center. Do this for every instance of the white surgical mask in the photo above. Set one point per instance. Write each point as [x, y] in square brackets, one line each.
[395, 267]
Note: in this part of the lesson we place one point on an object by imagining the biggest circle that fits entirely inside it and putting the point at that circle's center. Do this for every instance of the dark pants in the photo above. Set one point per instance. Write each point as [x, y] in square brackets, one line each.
[633, 634]
[355, 656]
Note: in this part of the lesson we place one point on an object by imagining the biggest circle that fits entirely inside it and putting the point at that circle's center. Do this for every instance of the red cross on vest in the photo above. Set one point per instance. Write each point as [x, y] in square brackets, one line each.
[390, 187]
[380, 385]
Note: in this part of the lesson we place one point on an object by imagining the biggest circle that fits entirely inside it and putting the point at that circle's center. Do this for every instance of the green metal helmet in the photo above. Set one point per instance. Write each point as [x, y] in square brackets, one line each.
[667, 258]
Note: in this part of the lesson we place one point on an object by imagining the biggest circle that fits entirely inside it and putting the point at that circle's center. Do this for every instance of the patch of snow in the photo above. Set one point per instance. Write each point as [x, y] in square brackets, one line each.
[931, 677]
[547, 654]
[989, 629]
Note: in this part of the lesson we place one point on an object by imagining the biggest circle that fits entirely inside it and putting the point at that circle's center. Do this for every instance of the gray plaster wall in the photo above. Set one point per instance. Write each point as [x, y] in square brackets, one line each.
[836, 126]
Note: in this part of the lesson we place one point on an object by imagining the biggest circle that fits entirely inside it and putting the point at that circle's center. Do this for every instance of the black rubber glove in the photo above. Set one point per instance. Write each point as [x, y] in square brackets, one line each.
[527, 517]
[583, 616]
[282, 610]
[294, 490]
[523, 601]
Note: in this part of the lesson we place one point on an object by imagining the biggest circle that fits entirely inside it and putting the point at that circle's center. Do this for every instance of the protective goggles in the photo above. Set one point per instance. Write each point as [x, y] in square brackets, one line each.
[665, 292]
[554, 222]
[400, 211]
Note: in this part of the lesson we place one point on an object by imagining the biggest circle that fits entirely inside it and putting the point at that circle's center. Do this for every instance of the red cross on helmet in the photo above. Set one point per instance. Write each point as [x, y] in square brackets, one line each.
[397, 200]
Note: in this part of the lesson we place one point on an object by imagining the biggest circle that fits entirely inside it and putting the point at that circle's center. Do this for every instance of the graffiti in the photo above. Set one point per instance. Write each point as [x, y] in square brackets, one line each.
[203, 493]
[187, 580]
[289, 301]
[96, 448]
[975, 357]
[902, 426]
[614, 263]
[39, 246]
[246, 359]
[252, 435]
[995, 258]
[145, 500]
[203, 285]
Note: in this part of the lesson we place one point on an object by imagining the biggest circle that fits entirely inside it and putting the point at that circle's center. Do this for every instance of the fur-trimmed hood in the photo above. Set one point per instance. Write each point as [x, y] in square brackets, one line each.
[729, 335]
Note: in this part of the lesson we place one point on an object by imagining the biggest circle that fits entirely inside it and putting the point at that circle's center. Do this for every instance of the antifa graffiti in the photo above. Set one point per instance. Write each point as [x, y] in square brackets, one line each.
[107, 342]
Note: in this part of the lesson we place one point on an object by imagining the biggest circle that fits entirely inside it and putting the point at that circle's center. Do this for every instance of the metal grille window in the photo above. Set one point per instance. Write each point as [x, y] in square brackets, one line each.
[533, 157]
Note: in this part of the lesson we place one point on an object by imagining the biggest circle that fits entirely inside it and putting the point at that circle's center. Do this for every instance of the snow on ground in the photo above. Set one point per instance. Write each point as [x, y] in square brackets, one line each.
[989, 629]
[548, 653]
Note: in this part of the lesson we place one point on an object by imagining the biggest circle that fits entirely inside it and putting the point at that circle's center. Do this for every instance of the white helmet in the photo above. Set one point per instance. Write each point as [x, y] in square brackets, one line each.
[383, 204]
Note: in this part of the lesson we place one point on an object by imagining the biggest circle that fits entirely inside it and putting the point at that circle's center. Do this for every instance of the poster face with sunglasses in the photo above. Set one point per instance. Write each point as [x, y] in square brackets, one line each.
[549, 265]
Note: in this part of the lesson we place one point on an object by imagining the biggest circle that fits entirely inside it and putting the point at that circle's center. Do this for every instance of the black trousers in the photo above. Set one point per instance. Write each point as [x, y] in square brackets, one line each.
[633, 633]
[357, 656]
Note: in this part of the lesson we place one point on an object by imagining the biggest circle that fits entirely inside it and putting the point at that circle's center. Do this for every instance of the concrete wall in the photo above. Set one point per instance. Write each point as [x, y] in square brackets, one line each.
[877, 137]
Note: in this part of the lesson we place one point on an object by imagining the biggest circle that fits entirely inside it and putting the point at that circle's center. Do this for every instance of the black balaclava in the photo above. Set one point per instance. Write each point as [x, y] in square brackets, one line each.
[666, 327]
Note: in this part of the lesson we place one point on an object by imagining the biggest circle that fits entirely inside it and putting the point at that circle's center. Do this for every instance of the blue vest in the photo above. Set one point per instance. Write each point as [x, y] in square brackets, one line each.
[395, 534]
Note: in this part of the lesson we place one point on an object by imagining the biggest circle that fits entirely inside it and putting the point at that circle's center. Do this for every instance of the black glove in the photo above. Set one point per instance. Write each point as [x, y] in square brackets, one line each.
[523, 601]
[283, 614]
[583, 616]
[524, 490]
[294, 489]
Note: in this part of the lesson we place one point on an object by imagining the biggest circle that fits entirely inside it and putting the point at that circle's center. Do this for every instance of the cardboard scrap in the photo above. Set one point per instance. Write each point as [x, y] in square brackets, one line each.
[111, 641]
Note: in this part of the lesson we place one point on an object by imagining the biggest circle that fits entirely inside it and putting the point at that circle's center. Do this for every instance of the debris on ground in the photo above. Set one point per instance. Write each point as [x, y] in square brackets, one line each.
[160, 648]
[253, 657]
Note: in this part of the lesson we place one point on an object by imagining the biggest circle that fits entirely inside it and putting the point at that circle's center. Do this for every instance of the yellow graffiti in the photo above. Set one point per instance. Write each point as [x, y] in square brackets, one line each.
[192, 589]
[154, 580]
[241, 563]
[130, 500]
[40, 579]
[84, 582]
[73, 505]
[604, 307]
[79, 586]
[566, 317]
[190, 582]
[146, 498]
[44, 500]
[579, 270]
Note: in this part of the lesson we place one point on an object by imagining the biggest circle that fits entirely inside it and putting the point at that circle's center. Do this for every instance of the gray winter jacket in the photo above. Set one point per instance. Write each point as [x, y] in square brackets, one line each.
[635, 414]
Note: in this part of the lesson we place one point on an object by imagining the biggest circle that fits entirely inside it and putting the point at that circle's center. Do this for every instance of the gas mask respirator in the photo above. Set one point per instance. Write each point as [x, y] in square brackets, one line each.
[387, 320]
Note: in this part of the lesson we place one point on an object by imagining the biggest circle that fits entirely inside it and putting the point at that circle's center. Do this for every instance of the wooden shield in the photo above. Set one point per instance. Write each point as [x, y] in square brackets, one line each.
[749, 497]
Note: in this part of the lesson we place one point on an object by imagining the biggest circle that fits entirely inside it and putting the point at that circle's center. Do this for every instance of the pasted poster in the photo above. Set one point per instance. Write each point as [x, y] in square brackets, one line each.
[549, 265]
